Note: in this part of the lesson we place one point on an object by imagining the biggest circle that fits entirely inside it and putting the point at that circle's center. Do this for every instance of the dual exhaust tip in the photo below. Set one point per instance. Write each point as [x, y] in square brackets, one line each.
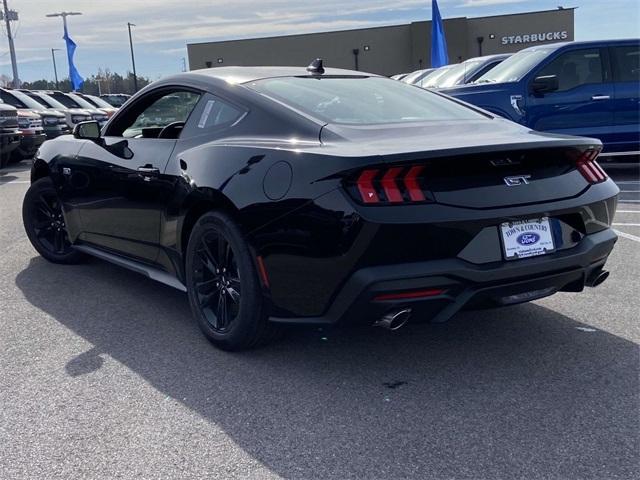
[394, 320]
[596, 278]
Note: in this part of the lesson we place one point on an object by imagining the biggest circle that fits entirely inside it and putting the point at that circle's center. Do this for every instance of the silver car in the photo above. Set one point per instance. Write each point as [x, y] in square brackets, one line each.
[73, 116]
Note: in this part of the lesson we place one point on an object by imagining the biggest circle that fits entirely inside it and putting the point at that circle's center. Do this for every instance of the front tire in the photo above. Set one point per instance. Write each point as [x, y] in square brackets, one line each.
[44, 224]
[224, 289]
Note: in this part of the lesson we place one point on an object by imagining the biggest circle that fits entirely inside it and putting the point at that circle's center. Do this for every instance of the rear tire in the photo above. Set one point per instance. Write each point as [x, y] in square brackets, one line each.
[44, 224]
[225, 292]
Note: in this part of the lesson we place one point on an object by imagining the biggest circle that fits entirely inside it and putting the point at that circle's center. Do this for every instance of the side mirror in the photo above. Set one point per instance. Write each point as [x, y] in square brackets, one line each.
[87, 131]
[545, 84]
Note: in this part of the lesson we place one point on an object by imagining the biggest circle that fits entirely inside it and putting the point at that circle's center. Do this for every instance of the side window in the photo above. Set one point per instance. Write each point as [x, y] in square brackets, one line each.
[575, 68]
[626, 63]
[170, 109]
[218, 114]
[212, 115]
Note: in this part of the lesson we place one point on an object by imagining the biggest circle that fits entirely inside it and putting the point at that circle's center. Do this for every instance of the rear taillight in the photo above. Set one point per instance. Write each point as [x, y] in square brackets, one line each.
[391, 185]
[589, 168]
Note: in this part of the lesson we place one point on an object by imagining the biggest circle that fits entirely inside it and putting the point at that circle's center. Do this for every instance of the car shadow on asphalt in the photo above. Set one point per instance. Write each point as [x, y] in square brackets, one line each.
[523, 392]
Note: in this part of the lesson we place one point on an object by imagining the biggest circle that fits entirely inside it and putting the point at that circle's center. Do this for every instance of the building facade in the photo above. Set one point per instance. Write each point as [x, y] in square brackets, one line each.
[393, 49]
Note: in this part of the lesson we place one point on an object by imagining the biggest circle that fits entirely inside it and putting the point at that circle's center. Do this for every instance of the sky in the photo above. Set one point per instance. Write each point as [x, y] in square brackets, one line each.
[164, 27]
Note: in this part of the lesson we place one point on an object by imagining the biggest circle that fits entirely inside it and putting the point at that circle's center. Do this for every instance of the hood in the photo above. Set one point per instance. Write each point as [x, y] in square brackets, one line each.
[50, 113]
[7, 108]
[476, 89]
[79, 111]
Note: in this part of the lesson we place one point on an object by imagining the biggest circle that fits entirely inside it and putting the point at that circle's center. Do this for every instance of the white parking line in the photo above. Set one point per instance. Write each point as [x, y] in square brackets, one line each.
[628, 236]
[626, 224]
[629, 182]
[14, 181]
[627, 211]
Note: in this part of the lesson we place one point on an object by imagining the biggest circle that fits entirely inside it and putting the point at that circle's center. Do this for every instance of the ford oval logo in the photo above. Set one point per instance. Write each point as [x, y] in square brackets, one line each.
[528, 238]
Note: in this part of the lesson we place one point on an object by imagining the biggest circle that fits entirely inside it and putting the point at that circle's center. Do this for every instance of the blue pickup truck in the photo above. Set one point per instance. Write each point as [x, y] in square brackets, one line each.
[590, 89]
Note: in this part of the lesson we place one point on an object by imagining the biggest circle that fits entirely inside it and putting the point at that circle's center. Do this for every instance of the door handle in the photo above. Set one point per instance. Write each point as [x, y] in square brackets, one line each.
[601, 97]
[148, 170]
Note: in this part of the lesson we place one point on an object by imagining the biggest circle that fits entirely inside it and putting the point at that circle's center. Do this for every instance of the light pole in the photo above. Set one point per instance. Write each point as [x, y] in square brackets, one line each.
[55, 69]
[8, 16]
[133, 58]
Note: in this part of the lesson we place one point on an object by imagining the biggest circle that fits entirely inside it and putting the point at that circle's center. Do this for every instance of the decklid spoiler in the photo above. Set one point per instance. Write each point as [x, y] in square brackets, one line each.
[441, 139]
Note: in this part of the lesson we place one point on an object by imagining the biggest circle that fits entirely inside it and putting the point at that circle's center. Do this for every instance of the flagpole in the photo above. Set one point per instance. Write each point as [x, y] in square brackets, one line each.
[133, 58]
[64, 16]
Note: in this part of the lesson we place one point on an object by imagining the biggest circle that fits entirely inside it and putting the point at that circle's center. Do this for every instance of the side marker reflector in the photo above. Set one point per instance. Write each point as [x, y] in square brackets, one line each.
[262, 271]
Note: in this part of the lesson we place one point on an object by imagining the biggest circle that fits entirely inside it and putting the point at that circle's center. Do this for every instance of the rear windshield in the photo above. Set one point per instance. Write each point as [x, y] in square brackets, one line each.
[515, 67]
[361, 100]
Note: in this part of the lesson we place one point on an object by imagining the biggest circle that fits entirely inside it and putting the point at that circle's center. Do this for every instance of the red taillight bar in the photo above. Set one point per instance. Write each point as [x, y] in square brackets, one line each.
[390, 186]
[411, 182]
[397, 188]
[365, 186]
[432, 292]
[589, 168]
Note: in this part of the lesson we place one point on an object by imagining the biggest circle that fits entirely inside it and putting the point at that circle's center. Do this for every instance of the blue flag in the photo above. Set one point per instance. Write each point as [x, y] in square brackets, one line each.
[74, 76]
[439, 56]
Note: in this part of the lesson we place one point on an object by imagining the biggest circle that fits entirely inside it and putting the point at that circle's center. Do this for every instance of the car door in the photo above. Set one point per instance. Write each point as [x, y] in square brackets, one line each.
[117, 185]
[583, 103]
[626, 118]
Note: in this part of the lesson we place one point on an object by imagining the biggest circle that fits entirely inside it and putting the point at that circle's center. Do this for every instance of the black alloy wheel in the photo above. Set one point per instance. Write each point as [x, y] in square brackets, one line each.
[45, 225]
[217, 281]
[226, 295]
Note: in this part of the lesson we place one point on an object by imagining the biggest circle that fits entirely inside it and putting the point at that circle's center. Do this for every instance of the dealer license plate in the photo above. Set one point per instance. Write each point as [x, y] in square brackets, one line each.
[527, 238]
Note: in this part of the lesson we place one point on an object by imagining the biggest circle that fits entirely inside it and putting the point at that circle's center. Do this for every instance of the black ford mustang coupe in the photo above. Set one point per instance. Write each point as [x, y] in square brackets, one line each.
[279, 195]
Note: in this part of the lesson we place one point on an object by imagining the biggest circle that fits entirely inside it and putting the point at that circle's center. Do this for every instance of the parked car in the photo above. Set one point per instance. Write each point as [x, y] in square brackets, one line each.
[414, 77]
[97, 102]
[53, 122]
[9, 134]
[291, 195]
[31, 135]
[399, 76]
[73, 116]
[431, 80]
[469, 70]
[115, 99]
[71, 100]
[578, 88]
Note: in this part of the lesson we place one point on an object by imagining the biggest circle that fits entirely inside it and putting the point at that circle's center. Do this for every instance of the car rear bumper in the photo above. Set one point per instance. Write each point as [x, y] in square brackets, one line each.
[463, 284]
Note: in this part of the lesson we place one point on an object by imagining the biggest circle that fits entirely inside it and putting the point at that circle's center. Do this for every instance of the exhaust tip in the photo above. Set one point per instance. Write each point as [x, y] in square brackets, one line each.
[597, 277]
[394, 320]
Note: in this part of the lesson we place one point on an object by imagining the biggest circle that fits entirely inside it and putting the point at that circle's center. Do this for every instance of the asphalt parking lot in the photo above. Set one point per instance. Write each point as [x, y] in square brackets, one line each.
[103, 374]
